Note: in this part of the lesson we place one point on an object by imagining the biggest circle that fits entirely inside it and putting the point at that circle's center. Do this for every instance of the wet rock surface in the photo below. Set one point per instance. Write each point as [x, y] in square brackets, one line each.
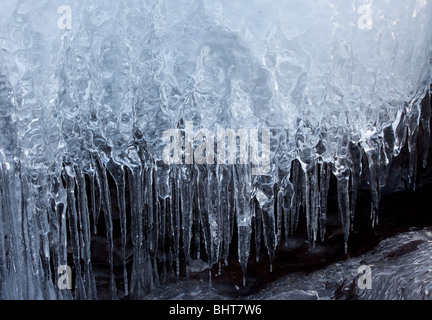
[401, 268]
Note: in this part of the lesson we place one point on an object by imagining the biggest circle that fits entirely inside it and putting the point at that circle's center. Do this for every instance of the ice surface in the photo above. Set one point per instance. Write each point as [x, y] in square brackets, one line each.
[86, 101]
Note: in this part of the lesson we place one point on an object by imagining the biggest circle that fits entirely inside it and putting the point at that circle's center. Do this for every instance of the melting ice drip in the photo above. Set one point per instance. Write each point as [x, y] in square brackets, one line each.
[338, 83]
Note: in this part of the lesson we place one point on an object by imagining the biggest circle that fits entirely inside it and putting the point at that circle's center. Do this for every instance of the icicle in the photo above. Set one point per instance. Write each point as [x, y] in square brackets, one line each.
[373, 157]
[151, 213]
[356, 171]
[399, 128]
[425, 122]
[242, 192]
[95, 203]
[3, 261]
[257, 222]
[85, 233]
[186, 201]
[203, 207]
[61, 245]
[106, 202]
[298, 182]
[118, 174]
[155, 272]
[74, 231]
[175, 216]
[413, 122]
[151, 182]
[306, 192]
[279, 215]
[153, 218]
[134, 184]
[312, 200]
[263, 186]
[287, 202]
[197, 221]
[11, 198]
[316, 198]
[12, 242]
[171, 233]
[213, 209]
[343, 205]
[224, 208]
[164, 251]
[142, 267]
[324, 186]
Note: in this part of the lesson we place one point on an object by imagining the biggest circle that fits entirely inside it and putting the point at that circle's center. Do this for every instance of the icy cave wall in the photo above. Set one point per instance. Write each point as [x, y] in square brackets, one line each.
[93, 92]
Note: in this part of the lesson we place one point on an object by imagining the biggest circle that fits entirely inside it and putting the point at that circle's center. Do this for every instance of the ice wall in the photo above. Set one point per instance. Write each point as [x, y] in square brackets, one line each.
[87, 97]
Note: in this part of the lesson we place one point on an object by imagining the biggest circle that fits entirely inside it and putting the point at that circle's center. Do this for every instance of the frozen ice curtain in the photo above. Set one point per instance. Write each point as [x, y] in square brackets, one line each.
[97, 99]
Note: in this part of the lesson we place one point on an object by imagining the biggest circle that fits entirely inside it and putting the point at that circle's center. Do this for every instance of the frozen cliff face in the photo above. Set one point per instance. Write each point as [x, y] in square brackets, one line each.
[120, 111]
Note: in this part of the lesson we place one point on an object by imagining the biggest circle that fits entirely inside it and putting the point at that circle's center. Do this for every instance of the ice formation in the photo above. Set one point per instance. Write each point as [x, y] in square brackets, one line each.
[88, 88]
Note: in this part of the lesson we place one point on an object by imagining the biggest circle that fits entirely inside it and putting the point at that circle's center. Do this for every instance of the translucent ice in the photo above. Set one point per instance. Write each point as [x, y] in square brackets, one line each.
[88, 89]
